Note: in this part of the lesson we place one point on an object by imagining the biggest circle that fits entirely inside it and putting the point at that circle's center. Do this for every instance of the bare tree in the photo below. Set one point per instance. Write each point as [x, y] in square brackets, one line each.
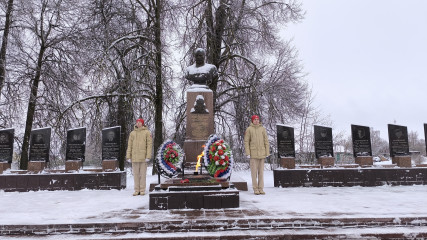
[258, 72]
[304, 137]
[126, 66]
[415, 143]
[3, 49]
[379, 145]
[45, 59]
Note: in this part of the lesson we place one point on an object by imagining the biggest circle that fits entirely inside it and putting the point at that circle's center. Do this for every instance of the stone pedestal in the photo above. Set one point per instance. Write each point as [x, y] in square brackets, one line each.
[36, 166]
[364, 160]
[200, 122]
[73, 166]
[402, 161]
[4, 166]
[288, 162]
[110, 165]
[326, 161]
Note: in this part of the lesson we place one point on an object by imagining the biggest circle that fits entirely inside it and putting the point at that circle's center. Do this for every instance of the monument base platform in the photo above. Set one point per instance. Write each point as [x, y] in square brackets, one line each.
[194, 197]
[24, 182]
[402, 161]
[288, 162]
[36, 167]
[326, 161]
[194, 192]
[349, 177]
[110, 165]
[364, 160]
[193, 181]
[4, 166]
[73, 166]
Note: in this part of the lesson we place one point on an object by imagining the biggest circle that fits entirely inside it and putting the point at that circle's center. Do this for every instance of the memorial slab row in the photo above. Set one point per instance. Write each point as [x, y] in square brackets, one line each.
[75, 147]
[361, 139]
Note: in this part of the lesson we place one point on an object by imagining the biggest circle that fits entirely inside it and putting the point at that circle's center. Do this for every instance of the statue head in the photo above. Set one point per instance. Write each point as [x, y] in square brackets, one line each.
[199, 56]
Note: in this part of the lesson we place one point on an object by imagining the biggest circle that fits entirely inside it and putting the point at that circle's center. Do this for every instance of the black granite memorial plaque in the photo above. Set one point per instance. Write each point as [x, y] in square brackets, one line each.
[285, 141]
[361, 136]
[323, 144]
[76, 144]
[425, 134]
[111, 143]
[40, 144]
[6, 145]
[398, 140]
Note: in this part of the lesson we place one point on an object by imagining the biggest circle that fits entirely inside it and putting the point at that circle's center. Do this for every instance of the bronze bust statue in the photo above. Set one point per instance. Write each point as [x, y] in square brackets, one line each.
[201, 73]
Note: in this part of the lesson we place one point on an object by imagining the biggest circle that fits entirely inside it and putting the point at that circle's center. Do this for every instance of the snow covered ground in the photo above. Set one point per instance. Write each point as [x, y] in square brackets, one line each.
[98, 206]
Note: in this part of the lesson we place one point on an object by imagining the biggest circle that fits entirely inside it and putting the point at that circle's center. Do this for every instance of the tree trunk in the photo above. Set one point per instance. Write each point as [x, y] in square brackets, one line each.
[158, 131]
[123, 124]
[214, 40]
[31, 110]
[4, 44]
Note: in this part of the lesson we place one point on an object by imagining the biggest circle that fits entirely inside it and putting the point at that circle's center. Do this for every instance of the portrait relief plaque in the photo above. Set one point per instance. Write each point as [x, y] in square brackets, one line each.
[285, 141]
[398, 140]
[361, 137]
[76, 144]
[323, 144]
[40, 144]
[6, 145]
[111, 143]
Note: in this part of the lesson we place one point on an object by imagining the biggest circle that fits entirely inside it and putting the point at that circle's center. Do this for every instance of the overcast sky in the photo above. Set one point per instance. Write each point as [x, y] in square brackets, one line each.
[366, 61]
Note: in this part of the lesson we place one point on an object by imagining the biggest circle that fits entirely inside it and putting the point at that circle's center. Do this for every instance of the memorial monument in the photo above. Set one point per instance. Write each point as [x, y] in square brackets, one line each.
[399, 145]
[39, 149]
[200, 118]
[6, 148]
[286, 146]
[362, 150]
[111, 148]
[75, 151]
[323, 145]
[186, 187]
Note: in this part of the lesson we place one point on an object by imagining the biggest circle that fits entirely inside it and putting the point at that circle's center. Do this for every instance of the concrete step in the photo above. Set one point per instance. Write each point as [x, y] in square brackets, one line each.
[237, 224]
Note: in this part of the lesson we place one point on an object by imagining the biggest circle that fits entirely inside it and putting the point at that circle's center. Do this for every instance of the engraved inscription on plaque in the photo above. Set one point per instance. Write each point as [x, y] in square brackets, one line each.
[285, 141]
[323, 145]
[398, 140]
[40, 145]
[199, 126]
[76, 140]
[361, 137]
[111, 143]
[6, 145]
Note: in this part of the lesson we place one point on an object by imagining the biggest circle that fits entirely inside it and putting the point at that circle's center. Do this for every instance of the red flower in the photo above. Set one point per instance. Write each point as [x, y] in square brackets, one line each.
[221, 162]
[221, 141]
[210, 156]
[216, 158]
[220, 152]
[226, 158]
[218, 143]
[213, 148]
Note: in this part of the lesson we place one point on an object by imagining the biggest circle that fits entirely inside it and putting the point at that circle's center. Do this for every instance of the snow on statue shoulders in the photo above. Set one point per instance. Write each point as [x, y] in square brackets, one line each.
[206, 68]
[201, 73]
